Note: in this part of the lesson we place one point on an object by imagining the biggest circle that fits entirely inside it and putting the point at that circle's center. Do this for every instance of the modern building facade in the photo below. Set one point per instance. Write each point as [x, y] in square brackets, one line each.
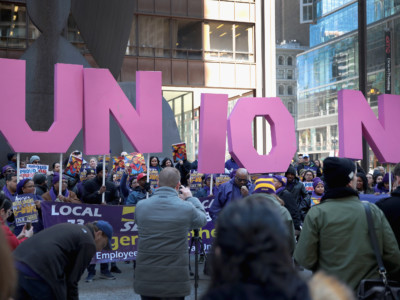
[331, 64]
[209, 46]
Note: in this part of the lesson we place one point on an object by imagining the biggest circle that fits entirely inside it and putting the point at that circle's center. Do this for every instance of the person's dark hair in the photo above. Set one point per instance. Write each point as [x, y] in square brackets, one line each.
[39, 178]
[164, 161]
[396, 170]
[9, 177]
[375, 177]
[364, 180]
[158, 160]
[54, 164]
[131, 179]
[307, 171]
[251, 248]
[5, 202]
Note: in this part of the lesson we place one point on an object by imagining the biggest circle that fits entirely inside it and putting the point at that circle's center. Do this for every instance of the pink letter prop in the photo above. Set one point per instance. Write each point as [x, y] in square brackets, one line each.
[356, 119]
[142, 127]
[212, 141]
[282, 132]
[68, 106]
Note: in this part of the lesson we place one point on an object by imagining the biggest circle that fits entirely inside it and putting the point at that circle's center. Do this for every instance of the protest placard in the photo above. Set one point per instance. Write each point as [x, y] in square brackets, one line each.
[74, 165]
[221, 179]
[40, 168]
[153, 178]
[195, 180]
[136, 161]
[179, 152]
[26, 173]
[24, 209]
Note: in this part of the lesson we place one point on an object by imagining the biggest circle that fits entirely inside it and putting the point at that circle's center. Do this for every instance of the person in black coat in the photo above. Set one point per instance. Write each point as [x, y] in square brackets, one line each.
[51, 262]
[289, 199]
[184, 167]
[391, 205]
[297, 189]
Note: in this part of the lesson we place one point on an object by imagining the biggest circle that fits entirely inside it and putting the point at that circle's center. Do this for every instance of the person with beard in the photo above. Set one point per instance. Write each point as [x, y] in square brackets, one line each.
[335, 237]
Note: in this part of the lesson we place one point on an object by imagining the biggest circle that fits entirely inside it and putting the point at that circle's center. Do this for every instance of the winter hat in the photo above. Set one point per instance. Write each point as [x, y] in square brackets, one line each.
[5, 168]
[317, 181]
[386, 178]
[107, 230]
[33, 158]
[56, 178]
[99, 168]
[291, 170]
[20, 185]
[264, 184]
[338, 172]
[281, 179]
[90, 171]
[39, 178]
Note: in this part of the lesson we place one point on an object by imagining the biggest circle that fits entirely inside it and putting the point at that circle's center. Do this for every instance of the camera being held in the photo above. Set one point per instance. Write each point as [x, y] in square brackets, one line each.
[184, 192]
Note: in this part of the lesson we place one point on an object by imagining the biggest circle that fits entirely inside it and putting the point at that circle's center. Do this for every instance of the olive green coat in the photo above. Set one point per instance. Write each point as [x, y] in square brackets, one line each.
[335, 239]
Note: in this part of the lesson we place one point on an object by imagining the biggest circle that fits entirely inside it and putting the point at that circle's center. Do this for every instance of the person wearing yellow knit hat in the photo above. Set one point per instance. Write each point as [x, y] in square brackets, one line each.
[264, 186]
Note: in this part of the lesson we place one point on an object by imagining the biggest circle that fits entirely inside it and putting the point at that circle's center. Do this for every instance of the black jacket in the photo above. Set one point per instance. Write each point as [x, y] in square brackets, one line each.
[91, 195]
[184, 169]
[391, 208]
[59, 254]
[291, 205]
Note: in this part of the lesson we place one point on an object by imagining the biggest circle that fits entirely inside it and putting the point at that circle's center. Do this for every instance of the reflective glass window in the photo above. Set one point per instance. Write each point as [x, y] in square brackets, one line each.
[280, 60]
[12, 25]
[289, 61]
[186, 39]
[154, 36]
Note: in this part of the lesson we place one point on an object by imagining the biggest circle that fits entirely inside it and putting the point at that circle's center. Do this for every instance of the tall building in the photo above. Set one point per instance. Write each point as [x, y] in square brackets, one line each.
[331, 64]
[210, 46]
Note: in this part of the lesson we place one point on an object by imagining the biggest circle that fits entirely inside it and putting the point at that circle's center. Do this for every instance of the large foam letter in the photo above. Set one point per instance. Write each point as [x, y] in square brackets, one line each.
[142, 127]
[68, 106]
[282, 133]
[356, 119]
[212, 141]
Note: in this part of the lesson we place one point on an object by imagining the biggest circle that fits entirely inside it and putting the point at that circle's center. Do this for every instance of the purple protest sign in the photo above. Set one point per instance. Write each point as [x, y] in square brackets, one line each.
[125, 235]
[124, 243]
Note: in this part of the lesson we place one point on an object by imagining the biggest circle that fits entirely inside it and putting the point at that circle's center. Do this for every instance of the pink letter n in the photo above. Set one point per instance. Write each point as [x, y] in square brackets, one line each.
[356, 119]
[142, 127]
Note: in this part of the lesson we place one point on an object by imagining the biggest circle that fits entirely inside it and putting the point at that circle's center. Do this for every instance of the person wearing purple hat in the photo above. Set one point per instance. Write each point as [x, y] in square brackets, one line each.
[26, 187]
[205, 190]
[290, 201]
[78, 189]
[7, 169]
[66, 196]
[383, 186]
[318, 191]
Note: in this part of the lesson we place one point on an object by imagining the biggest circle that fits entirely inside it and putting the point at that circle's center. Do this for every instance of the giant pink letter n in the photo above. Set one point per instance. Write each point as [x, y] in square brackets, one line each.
[142, 127]
[240, 138]
[68, 109]
[356, 119]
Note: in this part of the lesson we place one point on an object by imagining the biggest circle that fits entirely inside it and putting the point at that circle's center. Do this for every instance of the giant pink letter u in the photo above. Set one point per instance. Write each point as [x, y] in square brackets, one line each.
[68, 106]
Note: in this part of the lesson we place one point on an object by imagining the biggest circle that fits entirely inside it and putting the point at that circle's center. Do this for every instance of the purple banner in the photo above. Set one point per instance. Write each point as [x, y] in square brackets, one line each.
[122, 219]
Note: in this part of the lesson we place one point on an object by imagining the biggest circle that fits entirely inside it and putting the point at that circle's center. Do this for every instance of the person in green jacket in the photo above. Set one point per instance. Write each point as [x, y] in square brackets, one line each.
[335, 232]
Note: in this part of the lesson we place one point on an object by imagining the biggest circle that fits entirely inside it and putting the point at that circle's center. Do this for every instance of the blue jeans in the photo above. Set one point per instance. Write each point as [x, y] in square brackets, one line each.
[33, 288]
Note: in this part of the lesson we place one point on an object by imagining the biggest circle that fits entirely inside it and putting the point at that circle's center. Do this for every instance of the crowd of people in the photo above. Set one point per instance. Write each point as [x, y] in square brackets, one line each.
[268, 228]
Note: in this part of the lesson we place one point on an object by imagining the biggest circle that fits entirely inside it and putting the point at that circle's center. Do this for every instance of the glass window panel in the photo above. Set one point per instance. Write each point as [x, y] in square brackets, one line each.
[154, 37]
[12, 25]
[187, 39]
[221, 37]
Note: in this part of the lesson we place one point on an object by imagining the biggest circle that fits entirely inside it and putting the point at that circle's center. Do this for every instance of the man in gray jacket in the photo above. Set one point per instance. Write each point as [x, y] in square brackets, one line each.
[163, 222]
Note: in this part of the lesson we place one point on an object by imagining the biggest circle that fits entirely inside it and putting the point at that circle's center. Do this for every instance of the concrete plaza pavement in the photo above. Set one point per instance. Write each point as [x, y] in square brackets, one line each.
[122, 286]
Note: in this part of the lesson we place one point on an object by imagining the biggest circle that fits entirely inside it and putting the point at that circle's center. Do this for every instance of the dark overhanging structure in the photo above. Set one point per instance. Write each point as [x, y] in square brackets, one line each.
[105, 27]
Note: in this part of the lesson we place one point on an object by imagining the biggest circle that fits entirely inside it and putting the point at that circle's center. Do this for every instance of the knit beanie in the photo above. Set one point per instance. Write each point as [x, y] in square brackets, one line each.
[281, 179]
[33, 158]
[338, 172]
[317, 181]
[264, 184]
[99, 168]
[386, 178]
[20, 185]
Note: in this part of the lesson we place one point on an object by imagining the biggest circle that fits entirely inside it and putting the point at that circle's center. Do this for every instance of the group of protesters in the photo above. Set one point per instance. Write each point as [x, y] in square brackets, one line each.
[309, 217]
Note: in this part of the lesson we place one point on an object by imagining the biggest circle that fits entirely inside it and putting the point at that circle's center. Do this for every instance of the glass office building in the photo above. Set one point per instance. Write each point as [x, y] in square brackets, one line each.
[332, 64]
